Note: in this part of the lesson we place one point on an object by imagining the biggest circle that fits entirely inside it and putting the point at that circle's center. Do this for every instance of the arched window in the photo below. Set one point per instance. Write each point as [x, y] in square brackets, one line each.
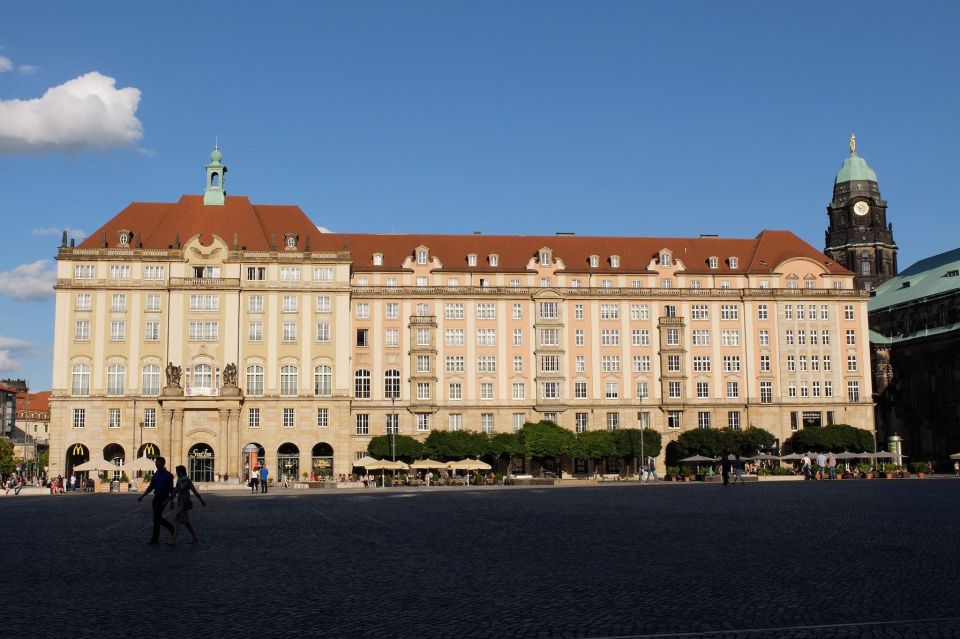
[288, 381]
[81, 380]
[323, 381]
[361, 384]
[391, 384]
[150, 384]
[255, 380]
[116, 378]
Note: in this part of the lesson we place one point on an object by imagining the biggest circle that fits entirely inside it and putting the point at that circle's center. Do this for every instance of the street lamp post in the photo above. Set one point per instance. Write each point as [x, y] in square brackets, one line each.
[393, 426]
[643, 459]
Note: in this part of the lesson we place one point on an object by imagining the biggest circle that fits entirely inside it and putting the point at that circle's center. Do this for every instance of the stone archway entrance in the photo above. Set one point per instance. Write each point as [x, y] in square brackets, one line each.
[200, 463]
[76, 455]
[321, 460]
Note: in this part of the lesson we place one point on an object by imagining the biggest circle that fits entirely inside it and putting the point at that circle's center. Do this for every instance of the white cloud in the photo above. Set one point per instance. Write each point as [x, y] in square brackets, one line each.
[56, 231]
[6, 64]
[12, 348]
[29, 281]
[27, 69]
[88, 112]
[324, 229]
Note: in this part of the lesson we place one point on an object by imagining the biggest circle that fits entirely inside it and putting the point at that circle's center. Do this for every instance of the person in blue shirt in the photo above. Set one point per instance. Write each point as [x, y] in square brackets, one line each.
[263, 478]
[161, 485]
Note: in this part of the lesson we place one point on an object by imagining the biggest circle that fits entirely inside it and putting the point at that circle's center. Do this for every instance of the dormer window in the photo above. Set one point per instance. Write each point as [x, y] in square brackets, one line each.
[290, 241]
[494, 260]
[378, 259]
[544, 258]
[615, 261]
[472, 259]
[422, 256]
[594, 261]
[713, 262]
[665, 259]
[733, 262]
[124, 238]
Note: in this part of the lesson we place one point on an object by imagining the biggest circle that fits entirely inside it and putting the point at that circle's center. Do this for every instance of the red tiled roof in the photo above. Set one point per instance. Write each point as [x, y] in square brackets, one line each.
[39, 402]
[257, 226]
[759, 255]
[159, 223]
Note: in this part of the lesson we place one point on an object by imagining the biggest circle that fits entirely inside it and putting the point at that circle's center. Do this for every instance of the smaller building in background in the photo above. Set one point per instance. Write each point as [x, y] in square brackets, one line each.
[915, 340]
[8, 409]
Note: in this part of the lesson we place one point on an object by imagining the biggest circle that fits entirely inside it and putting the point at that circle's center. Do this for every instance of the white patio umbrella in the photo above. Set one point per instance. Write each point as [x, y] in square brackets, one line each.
[427, 464]
[364, 462]
[955, 456]
[469, 464]
[140, 463]
[96, 466]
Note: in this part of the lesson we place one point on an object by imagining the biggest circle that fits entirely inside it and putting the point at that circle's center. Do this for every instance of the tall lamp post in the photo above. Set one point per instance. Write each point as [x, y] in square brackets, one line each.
[643, 458]
[393, 427]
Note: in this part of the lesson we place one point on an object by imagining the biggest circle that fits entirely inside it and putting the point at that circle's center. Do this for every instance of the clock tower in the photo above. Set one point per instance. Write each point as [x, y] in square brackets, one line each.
[859, 237]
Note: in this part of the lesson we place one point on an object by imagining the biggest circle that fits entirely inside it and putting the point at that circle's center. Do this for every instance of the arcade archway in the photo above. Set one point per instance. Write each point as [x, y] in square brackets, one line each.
[321, 460]
[200, 460]
[288, 461]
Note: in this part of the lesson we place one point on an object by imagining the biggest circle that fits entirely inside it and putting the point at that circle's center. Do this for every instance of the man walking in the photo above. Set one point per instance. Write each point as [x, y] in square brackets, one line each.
[725, 468]
[651, 470]
[263, 478]
[161, 485]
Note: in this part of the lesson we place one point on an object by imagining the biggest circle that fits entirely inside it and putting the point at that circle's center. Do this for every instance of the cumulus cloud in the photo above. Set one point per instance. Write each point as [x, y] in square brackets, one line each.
[27, 69]
[12, 348]
[88, 112]
[56, 231]
[32, 281]
[6, 64]
[324, 229]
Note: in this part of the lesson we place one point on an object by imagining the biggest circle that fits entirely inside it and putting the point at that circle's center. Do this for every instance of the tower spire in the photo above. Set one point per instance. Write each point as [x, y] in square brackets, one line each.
[215, 193]
[853, 144]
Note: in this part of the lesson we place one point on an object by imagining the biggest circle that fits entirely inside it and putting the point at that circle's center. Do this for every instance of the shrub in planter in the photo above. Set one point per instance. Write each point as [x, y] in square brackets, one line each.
[673, 472]
[124, 479]
[920, 468]
[781, 471]
[863, 469]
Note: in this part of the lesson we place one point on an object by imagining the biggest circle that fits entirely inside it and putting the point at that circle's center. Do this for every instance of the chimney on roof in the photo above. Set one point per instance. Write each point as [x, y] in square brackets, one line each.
[176, 240]
[273, 241]
[236, 241]
[139, 240]
[63, 239]
[306, 245]
[72, 242]
[566, 233]
[477, 233]
[103, 240]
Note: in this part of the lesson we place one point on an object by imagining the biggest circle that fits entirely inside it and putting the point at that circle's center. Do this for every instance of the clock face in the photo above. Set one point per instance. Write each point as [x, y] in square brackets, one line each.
[861, 208]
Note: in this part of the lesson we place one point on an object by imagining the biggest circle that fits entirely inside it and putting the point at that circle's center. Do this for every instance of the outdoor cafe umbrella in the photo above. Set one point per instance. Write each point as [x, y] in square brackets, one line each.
[364, 462]
[427, 464]
[469, 464]
[762, 457]
[696, 459]
[847, 455]
[141, 463]
[955, 456]
[96, 466]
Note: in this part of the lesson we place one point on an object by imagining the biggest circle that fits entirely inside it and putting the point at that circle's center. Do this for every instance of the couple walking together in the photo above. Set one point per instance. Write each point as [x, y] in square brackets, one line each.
[177, 493]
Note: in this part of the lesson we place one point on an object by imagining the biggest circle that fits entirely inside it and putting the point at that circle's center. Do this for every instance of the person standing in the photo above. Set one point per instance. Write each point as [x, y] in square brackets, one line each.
[725, 469]
[161, 485]
[73, 482]
[264, 473]
[651, 470]
[821, 465]
[182, 489]
[737, 470]
[831, 465]
[805, 465]
[254, 480]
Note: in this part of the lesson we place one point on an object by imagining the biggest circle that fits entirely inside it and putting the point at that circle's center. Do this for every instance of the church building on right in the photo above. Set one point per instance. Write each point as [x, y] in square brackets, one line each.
[859, 237]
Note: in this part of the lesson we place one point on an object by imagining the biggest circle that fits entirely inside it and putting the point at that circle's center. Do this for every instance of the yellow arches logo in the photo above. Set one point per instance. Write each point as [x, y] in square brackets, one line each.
[149, 450]
[79, 450]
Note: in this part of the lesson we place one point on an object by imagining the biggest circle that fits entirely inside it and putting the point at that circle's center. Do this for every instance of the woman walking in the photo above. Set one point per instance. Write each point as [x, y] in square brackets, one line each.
[183, 504]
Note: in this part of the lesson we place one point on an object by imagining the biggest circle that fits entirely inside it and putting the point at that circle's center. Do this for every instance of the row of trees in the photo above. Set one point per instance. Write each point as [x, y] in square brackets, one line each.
[714, 443]
[538, 441]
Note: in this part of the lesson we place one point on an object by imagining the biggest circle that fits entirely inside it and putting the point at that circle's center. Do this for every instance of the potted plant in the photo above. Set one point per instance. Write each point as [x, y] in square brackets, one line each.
[920, 468]
[889, 471]
[863, 469]
[672, 473]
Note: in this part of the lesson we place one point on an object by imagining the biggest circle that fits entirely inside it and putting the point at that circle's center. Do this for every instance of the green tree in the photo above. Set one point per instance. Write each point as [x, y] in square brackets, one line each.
[751, 440]
[7, 464]
[708, 442]
[596, 444]
[446, 445]
[836, 438]
[407, 448]
[627, 441]
[503, 446]
[546, 440]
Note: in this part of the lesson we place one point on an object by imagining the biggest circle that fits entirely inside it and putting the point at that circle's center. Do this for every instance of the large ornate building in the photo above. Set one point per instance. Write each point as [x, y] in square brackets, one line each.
[859, 236]
[915, 332]
[213, 331]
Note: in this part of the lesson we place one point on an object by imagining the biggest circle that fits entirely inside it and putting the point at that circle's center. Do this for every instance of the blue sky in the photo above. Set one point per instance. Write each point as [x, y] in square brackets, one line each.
[602, 118]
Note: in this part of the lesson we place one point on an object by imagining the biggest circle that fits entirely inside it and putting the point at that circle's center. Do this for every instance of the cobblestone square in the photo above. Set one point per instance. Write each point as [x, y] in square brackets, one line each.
[797, 559]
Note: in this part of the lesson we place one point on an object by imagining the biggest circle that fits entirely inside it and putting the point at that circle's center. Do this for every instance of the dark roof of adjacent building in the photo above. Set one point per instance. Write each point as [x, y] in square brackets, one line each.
[930, 277]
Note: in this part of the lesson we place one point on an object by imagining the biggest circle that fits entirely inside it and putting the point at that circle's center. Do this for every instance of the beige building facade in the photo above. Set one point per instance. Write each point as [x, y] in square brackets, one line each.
[257, 337]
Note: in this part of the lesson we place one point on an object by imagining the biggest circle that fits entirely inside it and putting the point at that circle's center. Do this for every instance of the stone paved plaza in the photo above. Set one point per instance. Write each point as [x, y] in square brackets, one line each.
[795, 559]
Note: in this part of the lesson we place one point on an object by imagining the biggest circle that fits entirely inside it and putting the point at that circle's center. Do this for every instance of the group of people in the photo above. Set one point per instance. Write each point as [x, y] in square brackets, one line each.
[177, 493]
[825, 464]
[259, 477]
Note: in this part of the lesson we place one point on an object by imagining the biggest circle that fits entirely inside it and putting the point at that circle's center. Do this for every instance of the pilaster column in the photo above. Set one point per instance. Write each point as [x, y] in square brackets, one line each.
[222, 463]
[165, 436]
[233, 450]
[176, 445]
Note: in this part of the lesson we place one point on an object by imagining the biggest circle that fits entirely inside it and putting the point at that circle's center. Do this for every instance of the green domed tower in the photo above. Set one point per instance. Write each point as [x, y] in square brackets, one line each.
[215, 194]
[859, 237]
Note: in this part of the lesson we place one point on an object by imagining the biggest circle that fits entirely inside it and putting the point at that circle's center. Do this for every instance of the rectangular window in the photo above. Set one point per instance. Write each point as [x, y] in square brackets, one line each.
[118, 302]
[788, 311]
[517, 363]
[455, 421]
[581, 364]
[85, 302]
[391, 337]
[673, 363]
[363, 310]
[255, 331]
[256, 273]
[825, 338]
[549, 363]
[203, 302]
[853, 391]
[454, 364]
[288, 418]
[423, 422]
[550, 390]
[578, 339]
[289, 274]
[851, 337]
[289, 304]
[453, 311]
[673, 337]
[731, 363]
[580, 390]
[828, 388]
[149, 417]
[486, 390]
[674, 419]
[118, 331]
[613, 421]
[730, 338]
[609, 311]
[789, 337]
[486, 337]
[851, 363]
[609, 337]
[642, 390]
[703, 420]
[81, 331]
[764, 363]
[549, 310]
[454, 337]
[729, 312]
[289, 332]
[701, 363]
[701, 337]
[321, 274]
[392, 424]
[518, 337]
[323, 417]
[423, 363]
[762, 312]
[363, 424]
[486, 311]
[486, 422]
[519, 390]
[253, 418]
[674, 390]
[578, 311]
[151, 331]
[848, 311]
[119, 272]
[363, 337]
[487, 364]
[699, 312]
[582, 422]
[801, 338]
[703, 390]
[766, 392]
[611, 363]
[800, 312]
[79, 417]
[255, 304]
[791, 389]
[323, 332]
[549, 336]
[791, 363]
[455, 391]
[518, 421]
[153, 302]
[733, 420]
[733, 390]
[113, 418]
[423, 390]
[84, 271]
